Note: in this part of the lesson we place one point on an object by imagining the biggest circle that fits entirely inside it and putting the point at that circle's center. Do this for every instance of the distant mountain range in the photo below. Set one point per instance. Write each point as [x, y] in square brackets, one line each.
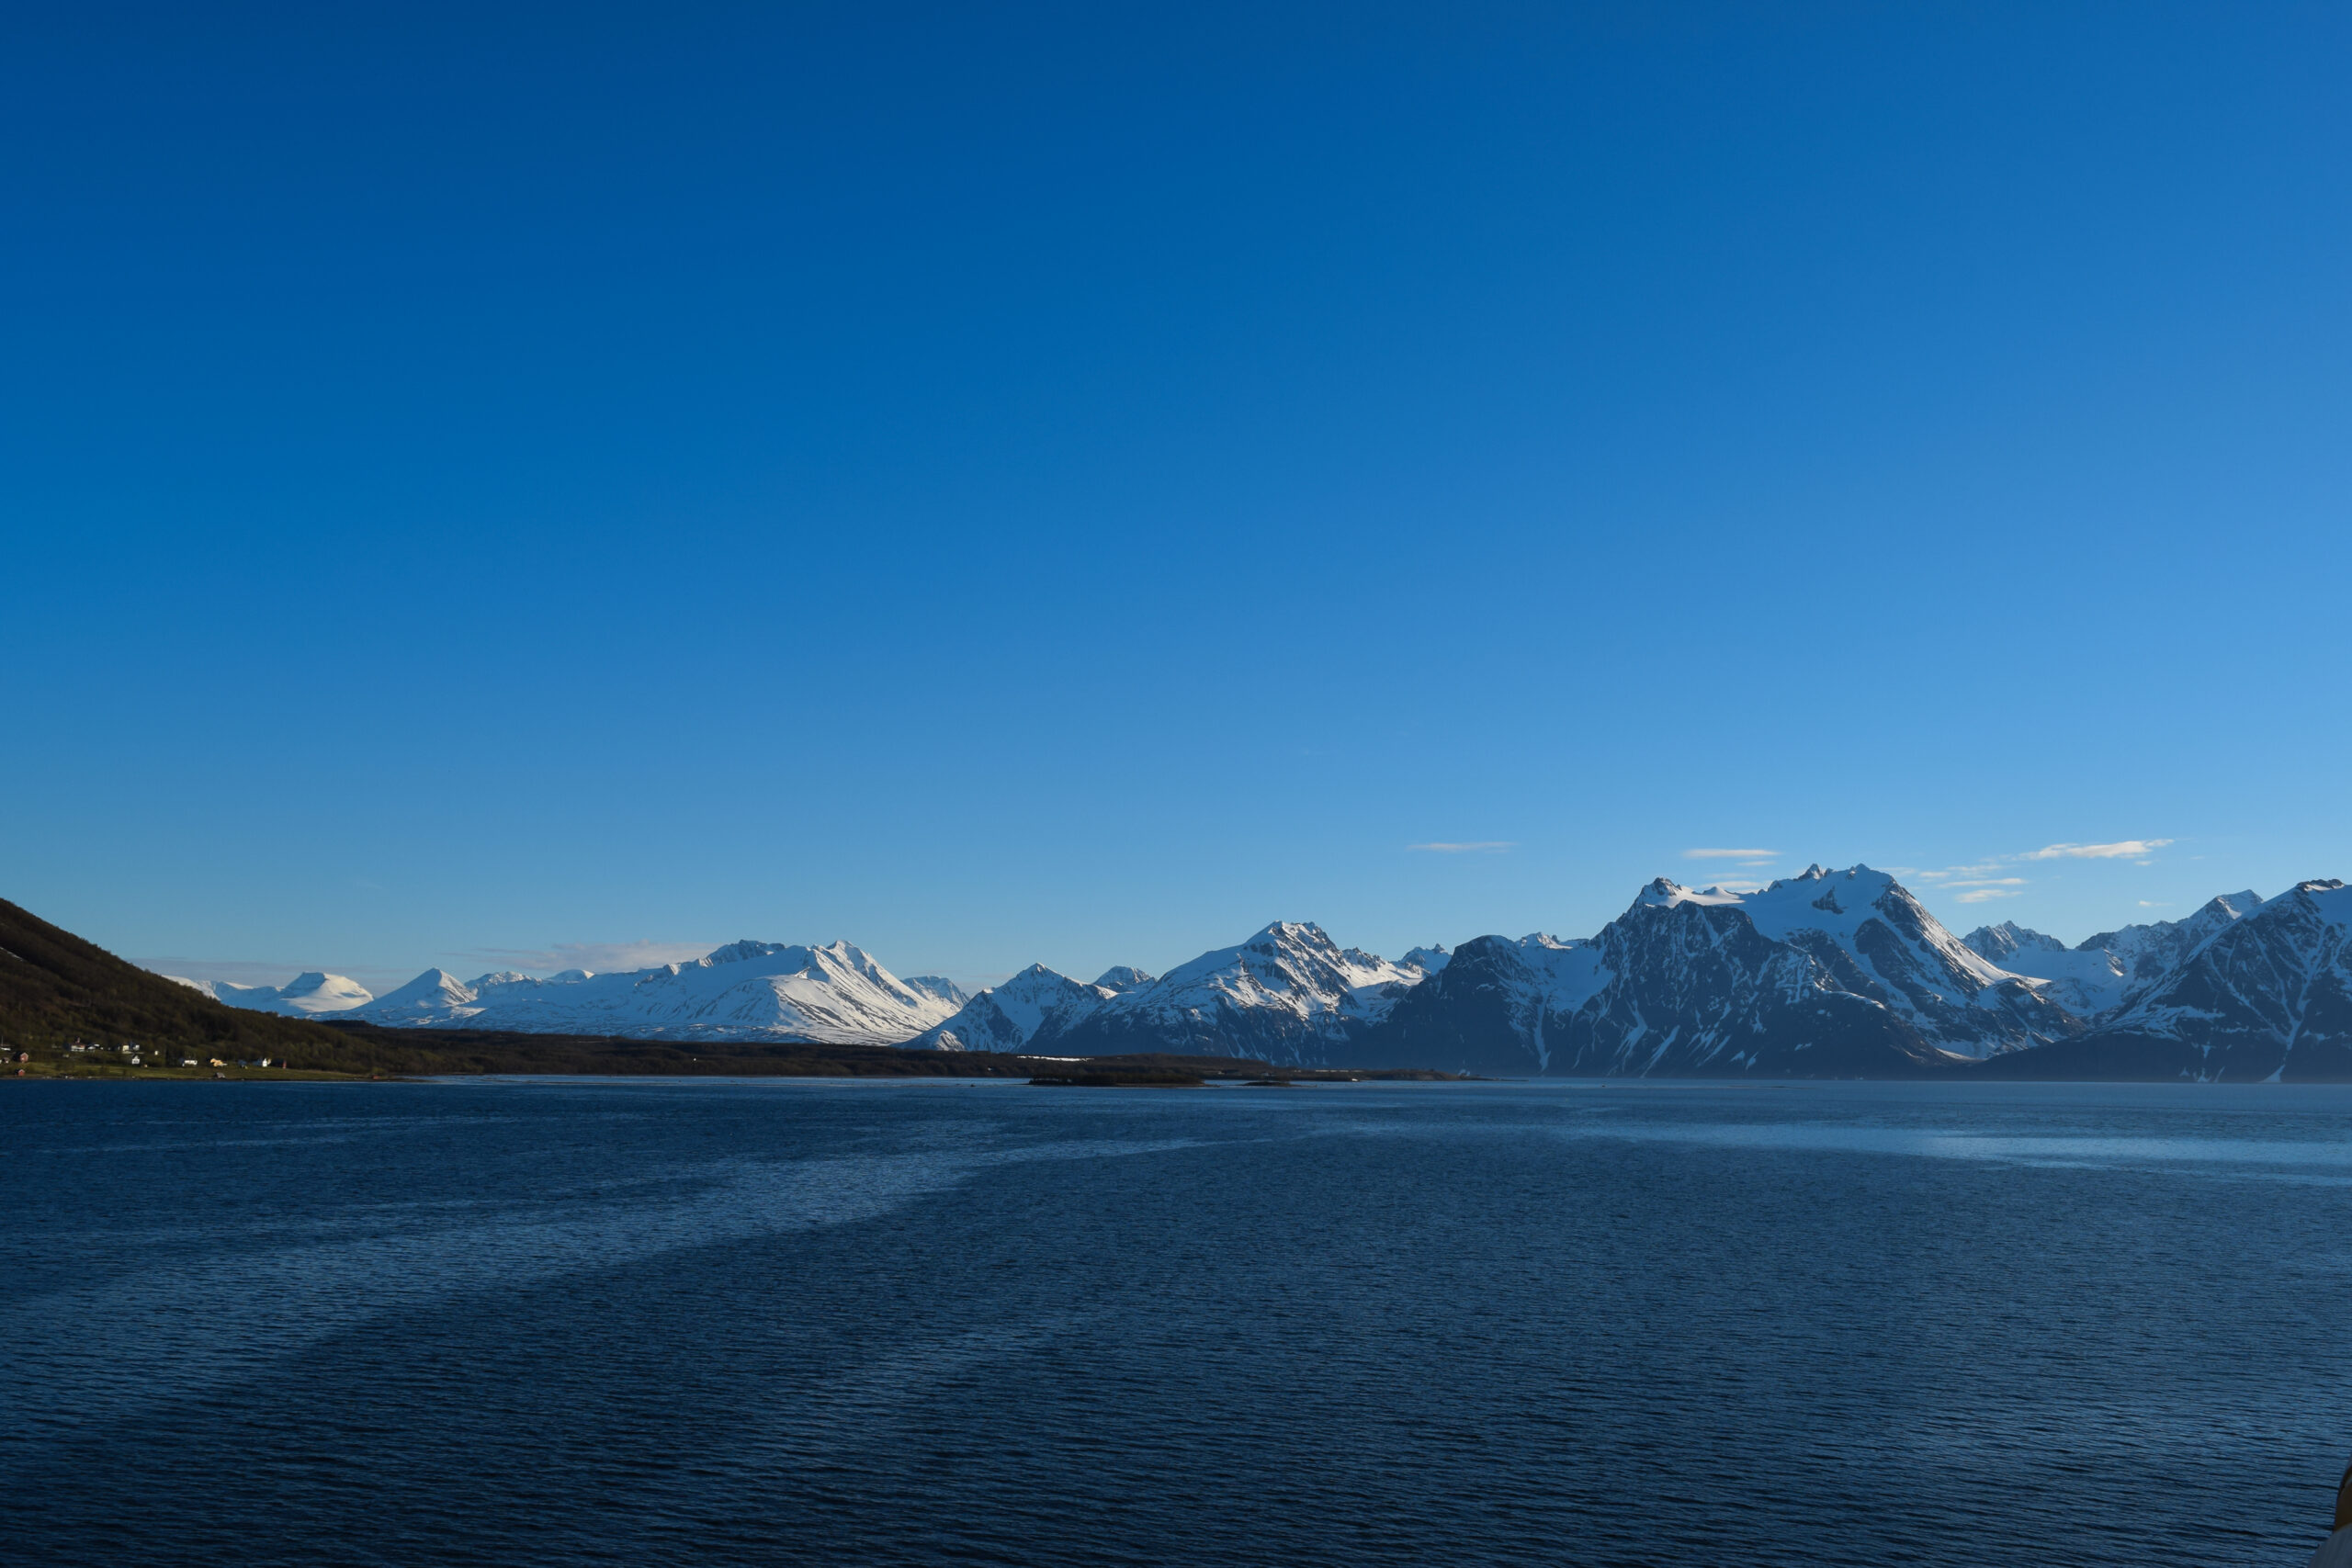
[833, 995]
[1829, 973]
[301, 997]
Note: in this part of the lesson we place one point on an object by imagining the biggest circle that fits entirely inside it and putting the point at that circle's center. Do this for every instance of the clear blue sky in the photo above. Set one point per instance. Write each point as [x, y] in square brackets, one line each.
[1074, 484]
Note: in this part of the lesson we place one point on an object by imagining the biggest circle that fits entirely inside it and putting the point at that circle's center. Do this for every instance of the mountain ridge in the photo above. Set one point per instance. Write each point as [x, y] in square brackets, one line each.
[1826, 973]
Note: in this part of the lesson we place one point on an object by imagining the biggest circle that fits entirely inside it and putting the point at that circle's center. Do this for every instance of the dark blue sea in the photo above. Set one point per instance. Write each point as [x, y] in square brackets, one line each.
[560, 1322]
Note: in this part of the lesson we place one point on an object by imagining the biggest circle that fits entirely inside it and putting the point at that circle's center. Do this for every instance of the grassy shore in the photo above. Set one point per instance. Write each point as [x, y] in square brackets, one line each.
[74, 1068]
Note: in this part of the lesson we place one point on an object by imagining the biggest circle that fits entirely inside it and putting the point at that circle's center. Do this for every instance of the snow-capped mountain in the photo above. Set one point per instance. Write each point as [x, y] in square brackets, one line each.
[2104, 970]
[305, 996]
[432, 999]
[2265, 995]
[939, 986]
[2085, 981]
[1289, 994]
[2151, 952]
[834, 995]
[1830, 972]
[1007, 1017]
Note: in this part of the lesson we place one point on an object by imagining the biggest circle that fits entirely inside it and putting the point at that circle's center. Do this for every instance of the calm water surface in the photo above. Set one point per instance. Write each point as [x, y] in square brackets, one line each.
[786, 1323]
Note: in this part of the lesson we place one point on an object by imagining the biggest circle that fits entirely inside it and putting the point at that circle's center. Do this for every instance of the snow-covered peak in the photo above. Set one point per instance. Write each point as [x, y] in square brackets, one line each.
[1288, 935]
[1428, 960]
[308, 995]
[1123, 977]
[2260, 995]
[1835, 893]
[834, 995]
[435, 991]
[1997, 943]
[1289, 978]
[939, 986]
[2145, 954]
[1864, 933]
[1009, 1015]
[1288, 955]
[317, 992]
[1666, 893]
[796, 957]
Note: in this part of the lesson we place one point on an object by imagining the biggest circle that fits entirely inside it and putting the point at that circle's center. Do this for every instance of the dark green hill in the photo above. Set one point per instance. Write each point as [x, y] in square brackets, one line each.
[55, 988]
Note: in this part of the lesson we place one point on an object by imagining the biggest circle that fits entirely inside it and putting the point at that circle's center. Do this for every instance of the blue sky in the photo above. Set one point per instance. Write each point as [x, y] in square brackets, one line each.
[492, 485]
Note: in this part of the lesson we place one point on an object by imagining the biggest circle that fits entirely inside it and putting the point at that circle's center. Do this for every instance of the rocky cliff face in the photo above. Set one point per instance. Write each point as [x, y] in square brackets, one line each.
[2266, 996]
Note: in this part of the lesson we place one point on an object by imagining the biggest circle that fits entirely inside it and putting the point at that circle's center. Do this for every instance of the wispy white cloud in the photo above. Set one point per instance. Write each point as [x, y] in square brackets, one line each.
[2155, 903]
[2123, 849]
[1985, 879]
[1731, 854]
[1480, 847]
[1953, 874]
[597, 957]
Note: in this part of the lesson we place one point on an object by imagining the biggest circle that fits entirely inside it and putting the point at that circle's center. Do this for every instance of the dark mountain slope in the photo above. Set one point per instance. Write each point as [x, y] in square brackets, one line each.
[2266, 996]
[55, 988]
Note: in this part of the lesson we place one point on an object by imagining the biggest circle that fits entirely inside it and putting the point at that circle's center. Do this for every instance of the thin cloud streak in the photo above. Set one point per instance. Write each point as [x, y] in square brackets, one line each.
[1983, 881]
[1731, 854]
[2123, 849]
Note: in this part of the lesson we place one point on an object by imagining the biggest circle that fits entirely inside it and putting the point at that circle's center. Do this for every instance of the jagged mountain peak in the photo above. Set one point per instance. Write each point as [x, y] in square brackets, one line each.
[1833, 971]
[1995, 944]
[1012, 1014]
[1544, 940]
[1287, 993]
[2265, 995]
[1122, 977]
[1279, 934]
